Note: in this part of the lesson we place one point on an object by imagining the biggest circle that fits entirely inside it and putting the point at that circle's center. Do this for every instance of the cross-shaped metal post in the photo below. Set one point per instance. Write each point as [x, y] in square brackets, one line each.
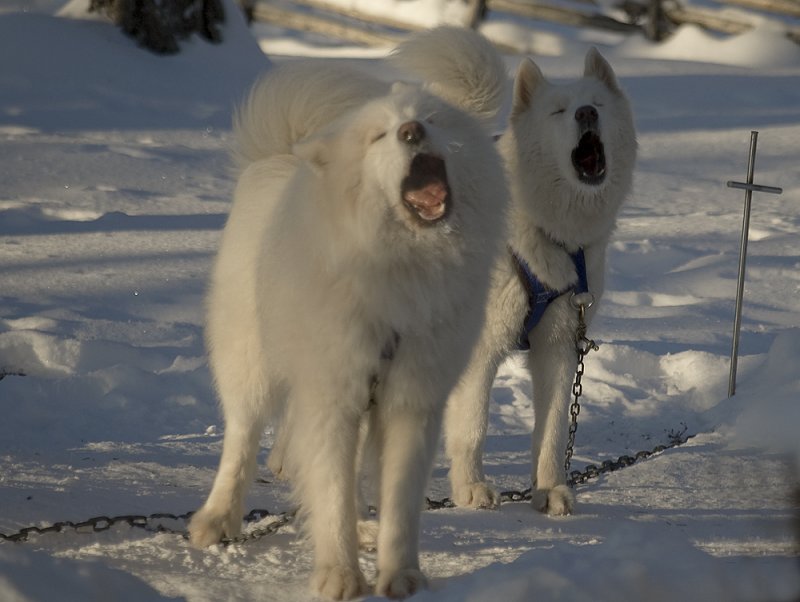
[748, 187]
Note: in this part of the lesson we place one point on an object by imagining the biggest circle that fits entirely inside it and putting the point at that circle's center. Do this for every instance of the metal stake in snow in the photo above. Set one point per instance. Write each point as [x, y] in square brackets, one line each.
[748, 187]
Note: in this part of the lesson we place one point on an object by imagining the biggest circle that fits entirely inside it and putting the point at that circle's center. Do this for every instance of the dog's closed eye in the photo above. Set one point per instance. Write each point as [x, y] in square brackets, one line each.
[377, 137]
[558, 112]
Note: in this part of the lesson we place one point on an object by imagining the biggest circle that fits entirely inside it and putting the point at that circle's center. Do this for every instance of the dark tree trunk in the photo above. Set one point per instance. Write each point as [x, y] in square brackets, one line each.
[656, 27]
[159, 24]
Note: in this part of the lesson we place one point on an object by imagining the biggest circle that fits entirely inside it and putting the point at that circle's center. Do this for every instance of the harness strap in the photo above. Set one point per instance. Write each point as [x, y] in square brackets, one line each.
[579, 259]
[540, 296]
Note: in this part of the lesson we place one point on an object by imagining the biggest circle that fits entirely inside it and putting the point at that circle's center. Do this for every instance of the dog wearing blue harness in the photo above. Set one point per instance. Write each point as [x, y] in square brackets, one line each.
[569, 152]
[540, 296]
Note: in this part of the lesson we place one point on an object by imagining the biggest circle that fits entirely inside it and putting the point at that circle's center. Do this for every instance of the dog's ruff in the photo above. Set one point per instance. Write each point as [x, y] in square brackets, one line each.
[355, 262]
[570, 151]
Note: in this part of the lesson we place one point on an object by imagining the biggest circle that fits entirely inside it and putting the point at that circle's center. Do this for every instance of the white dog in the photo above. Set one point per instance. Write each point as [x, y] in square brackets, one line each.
[352, 276]
[570, 151]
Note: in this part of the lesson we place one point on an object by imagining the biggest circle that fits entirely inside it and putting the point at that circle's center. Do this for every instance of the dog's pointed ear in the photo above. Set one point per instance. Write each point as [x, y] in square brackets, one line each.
[596, 66]
[529, 78]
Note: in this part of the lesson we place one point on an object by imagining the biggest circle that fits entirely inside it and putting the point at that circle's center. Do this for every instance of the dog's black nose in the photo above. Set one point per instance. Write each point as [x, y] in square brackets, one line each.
[411, 132]
[586, 114]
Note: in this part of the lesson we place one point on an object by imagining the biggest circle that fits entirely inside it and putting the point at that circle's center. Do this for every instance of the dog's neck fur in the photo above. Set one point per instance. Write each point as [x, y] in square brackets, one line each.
[570, 214]
[572, 219]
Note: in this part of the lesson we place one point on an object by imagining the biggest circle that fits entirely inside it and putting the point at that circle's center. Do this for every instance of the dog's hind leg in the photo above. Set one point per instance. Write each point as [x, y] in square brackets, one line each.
[466, 422]
[221, 515]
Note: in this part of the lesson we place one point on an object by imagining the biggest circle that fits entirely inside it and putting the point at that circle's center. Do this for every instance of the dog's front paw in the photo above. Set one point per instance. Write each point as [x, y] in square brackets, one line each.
[476, 495]
[208, 527]
[557, 501]
[401, 584]
[339, 582]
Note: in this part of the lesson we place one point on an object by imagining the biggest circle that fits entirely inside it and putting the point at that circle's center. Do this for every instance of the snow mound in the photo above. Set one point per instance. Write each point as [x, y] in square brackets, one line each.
[627, 565]
[66, 580]
[765, 45]
[129, 86]
[768, 407]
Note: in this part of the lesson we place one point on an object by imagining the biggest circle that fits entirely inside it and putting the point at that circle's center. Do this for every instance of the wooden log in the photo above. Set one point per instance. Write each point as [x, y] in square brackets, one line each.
[557, 14]
[713, 21]
[681, 15]
[307, 22]
[785, 7]
[354, 26]
[474, 14]
[381, 20]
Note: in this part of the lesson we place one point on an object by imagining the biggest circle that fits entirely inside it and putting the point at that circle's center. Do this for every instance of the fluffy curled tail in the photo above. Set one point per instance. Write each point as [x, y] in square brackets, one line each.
[295, 100]
[458, 65]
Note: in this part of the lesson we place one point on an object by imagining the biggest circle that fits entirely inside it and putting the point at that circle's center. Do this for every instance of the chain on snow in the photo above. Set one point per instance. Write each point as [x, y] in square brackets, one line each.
[160, 522]
[155, 522]
[583, 345]
[579, 477]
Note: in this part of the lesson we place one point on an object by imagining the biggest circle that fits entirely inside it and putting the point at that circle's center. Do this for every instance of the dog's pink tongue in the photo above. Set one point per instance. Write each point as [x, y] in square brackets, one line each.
[429, 201]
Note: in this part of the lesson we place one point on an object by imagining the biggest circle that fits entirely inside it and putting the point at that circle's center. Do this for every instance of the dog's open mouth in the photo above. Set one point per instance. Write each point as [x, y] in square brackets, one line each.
[425, 189]
[589, 159]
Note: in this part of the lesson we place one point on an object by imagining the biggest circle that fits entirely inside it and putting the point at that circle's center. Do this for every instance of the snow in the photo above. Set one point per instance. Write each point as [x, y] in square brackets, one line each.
[762, 46]
[115, 186]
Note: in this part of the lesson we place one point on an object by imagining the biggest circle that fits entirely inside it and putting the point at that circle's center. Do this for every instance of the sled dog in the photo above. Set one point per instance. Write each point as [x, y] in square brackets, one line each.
[569, 150]
[350, 285]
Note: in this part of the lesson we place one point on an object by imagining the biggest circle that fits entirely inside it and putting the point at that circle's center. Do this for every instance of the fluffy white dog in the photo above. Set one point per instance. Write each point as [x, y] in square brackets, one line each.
[350, 282]
[570, 151]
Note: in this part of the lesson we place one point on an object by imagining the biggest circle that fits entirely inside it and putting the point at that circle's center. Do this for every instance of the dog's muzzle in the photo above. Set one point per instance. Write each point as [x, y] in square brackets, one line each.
[425, 190]
[588, 157]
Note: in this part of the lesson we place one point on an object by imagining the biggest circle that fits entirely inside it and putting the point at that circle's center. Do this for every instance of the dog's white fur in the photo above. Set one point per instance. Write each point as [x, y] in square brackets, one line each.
[553, 213]
[321, 270]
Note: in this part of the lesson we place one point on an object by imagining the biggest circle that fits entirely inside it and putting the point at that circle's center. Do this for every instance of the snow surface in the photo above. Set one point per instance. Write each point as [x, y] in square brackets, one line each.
[115, 184]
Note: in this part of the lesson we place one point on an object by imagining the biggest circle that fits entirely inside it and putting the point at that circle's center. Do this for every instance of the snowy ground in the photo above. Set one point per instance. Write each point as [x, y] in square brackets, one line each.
[114, 186]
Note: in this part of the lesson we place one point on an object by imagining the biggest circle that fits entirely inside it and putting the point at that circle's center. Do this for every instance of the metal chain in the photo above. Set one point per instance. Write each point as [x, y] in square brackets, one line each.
[583, 346]
[154, 523]
[578, 477]
[5, 372]
[591, 471]
[97, 524]
[284, 519]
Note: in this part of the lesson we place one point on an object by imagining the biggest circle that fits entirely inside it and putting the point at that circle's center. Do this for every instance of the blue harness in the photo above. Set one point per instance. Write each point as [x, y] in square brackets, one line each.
[540, 296]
